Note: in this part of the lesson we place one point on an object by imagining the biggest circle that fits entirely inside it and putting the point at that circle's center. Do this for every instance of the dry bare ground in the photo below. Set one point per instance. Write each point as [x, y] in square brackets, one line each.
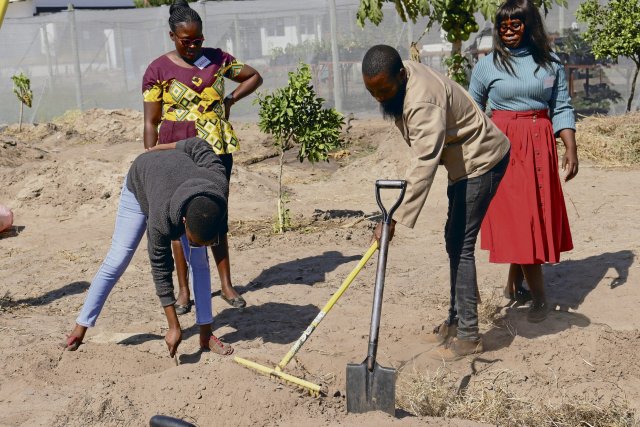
[62, 180]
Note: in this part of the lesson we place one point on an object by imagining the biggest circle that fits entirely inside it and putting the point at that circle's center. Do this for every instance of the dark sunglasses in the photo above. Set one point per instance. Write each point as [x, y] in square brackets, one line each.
[191, 42]
[212, 243]
[514, 25]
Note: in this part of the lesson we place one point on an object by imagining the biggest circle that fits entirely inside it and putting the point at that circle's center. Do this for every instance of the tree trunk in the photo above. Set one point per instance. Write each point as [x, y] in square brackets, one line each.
[281, 207]
[633, 86]
[456, 49]
[20, 122]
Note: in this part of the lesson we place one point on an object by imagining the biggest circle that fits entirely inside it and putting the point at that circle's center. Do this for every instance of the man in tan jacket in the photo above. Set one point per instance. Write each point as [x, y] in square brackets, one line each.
[443, 125]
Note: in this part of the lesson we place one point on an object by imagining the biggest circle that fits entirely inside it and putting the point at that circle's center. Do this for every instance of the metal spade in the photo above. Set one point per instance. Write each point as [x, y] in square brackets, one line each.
[372, 387]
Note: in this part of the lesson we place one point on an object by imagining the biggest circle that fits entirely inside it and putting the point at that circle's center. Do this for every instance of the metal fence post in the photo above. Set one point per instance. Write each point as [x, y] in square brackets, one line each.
[47, 48]
[237, 50]
[76, 55]
[163, 11]
[317, 31]
[335, 58]
[203, 15]
[121, 58]
[298, 29]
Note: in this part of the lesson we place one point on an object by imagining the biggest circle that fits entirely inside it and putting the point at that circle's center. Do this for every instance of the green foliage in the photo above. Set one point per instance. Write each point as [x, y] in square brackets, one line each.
[22, 88]
[457, 20]
[437, 10]
[613, 31]
[488, 8]
[295, 117]
[458, 67]
[456, 17]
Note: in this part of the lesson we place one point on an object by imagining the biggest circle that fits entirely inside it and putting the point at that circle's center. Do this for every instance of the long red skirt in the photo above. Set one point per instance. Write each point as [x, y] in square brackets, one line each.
[527, 220]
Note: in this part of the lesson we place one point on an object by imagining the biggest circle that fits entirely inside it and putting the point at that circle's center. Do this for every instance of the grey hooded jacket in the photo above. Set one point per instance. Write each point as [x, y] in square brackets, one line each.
[163, 182]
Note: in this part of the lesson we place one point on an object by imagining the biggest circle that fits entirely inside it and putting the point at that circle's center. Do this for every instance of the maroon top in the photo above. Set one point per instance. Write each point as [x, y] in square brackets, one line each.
[164, 69]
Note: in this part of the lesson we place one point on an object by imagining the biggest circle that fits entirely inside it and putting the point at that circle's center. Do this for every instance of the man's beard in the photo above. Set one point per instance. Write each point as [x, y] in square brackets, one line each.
[392, 108]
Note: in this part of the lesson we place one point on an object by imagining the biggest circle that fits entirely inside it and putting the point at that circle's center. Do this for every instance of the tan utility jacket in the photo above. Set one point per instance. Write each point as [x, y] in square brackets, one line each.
[443, 125]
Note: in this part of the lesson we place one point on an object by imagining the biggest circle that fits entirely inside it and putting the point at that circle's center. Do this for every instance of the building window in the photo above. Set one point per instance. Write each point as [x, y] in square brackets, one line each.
[307, 25]
[276, 28]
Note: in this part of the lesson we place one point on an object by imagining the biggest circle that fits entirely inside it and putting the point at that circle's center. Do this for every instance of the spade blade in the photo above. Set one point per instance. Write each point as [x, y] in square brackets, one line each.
[371, 390]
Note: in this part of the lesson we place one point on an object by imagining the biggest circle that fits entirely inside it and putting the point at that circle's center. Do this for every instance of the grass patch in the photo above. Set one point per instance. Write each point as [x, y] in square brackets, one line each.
[490, 306]
[610, 140]
[490, 400]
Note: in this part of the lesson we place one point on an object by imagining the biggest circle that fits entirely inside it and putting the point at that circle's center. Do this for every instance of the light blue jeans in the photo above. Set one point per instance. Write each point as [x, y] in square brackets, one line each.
[130, 226]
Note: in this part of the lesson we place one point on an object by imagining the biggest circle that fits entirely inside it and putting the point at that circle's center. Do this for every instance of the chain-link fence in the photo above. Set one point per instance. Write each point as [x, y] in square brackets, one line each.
[84, 59]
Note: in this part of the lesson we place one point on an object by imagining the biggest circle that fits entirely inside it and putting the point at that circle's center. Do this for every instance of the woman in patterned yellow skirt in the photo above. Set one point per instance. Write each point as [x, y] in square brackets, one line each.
[184, 96]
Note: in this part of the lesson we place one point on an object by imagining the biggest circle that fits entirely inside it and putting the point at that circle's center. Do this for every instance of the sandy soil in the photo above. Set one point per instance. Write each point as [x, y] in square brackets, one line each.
[62, 180]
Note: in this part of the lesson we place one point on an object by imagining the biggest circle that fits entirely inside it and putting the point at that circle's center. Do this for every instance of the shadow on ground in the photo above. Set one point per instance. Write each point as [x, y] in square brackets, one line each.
[72, 288]
[302, 271]
[514, 323]
[569, 282]
[13, 231]
[567, 286]
[271, 322]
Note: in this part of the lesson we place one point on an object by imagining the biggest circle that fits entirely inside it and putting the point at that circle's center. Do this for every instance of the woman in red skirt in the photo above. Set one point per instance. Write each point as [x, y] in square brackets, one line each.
[523, 84]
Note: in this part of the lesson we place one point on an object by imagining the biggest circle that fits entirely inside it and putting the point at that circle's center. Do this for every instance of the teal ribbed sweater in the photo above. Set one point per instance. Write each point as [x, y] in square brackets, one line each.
[527, 89]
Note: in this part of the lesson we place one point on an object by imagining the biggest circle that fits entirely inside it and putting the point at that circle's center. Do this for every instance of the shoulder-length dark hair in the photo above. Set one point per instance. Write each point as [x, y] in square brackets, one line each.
[535, 37]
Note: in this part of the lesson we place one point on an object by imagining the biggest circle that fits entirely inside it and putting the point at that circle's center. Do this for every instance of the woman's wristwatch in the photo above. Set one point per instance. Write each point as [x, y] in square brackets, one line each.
[230, 98]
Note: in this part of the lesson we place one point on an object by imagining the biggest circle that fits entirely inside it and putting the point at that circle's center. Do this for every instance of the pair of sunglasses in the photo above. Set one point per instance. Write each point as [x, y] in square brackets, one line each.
[515, 26]
[191, 42]
[195, 245]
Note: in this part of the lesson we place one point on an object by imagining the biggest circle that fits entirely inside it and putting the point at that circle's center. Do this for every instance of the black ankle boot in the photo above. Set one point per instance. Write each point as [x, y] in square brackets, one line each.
[522, 295]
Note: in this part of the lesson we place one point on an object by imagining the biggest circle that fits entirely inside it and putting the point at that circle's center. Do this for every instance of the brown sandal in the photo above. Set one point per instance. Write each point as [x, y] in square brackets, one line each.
[216, 346]
[183, 309]
[237, 302]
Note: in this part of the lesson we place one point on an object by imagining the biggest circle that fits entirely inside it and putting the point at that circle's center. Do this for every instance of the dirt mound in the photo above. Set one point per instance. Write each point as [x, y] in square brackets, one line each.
[95, 126]
[101, 126]
[64, 187]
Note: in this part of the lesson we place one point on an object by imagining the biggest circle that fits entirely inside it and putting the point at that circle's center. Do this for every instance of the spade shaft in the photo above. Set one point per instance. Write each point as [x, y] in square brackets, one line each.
[377, 298]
